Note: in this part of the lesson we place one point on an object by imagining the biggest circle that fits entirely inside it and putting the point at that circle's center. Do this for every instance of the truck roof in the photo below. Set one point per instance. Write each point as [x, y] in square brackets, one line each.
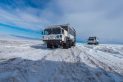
[64, 26]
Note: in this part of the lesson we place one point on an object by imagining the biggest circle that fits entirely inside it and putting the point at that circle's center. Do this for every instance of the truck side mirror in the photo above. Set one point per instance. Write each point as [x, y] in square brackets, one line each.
[42, 32]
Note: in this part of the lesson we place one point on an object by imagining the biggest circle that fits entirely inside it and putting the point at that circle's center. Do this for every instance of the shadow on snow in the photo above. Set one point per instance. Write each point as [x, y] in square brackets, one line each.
[22, 70]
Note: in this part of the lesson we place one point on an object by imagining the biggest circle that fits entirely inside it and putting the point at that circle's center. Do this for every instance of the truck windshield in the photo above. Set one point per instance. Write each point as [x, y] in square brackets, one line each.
[91, 39]
[52, 31]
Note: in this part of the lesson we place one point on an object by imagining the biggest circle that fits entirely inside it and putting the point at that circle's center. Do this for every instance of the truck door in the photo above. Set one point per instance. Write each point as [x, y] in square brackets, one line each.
[65, 33]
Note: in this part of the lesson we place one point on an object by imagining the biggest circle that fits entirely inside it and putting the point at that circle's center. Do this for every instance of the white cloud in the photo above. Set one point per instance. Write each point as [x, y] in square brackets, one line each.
[21, 19]
[89, 17]
[93, 17]
[29, 17]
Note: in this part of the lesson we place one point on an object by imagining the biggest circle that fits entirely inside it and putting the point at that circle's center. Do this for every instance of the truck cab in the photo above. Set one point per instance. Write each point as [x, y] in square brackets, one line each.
[92, 41]
[59, 36]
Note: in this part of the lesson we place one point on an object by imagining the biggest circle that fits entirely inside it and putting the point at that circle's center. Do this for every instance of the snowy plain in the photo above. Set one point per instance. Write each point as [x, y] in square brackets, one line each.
[31, 61]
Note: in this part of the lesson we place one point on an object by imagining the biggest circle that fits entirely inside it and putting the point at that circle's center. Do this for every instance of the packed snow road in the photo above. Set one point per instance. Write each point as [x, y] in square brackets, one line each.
[31, 61]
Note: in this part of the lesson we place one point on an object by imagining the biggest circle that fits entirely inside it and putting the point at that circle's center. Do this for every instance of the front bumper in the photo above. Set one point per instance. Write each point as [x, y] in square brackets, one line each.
[53, 42]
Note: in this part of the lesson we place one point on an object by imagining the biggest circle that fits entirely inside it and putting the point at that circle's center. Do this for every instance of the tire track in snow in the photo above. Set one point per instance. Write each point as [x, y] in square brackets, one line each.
[103, 61]
[64, 69]
[75, 56]
[77, 70]
[110, 50]
[94, 60]
[107, 70]
[47, 55]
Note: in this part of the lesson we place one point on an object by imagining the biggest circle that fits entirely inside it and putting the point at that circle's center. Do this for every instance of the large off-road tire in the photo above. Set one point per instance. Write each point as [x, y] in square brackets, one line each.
[55, 46]
[49, 46]
[65, 46]
[73, 44]
[97, 43]
[69, 45]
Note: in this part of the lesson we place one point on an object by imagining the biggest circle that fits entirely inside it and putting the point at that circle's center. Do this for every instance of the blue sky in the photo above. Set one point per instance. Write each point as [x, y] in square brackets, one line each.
[101, 18]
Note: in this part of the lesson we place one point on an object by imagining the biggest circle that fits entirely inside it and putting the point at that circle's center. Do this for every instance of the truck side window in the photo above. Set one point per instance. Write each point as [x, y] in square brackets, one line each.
[45, 32]
[62, 31]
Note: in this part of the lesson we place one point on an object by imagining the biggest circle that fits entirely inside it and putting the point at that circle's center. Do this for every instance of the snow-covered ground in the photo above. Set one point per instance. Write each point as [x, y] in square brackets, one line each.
[31, 61]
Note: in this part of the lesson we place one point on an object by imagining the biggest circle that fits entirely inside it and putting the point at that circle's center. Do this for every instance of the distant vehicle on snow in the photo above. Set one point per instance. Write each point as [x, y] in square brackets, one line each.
[59, 36]
[92, 41]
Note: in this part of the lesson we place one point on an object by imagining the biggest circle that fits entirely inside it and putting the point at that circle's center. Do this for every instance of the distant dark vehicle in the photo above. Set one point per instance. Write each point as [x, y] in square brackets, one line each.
[92, 41]
[59, 36]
